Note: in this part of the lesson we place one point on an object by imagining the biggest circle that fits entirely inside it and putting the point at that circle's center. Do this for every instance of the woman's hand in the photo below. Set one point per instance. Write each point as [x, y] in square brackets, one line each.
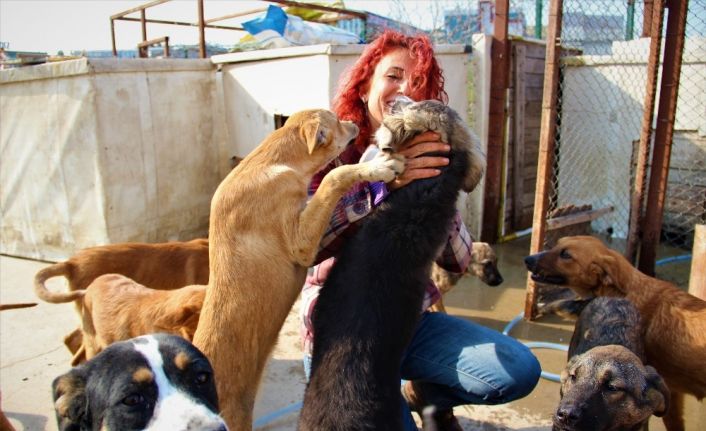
[417, 165]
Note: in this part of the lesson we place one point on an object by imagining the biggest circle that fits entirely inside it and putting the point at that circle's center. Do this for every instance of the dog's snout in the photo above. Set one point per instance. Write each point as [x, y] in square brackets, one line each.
[496, 281]
[531, 262]
[567, 414]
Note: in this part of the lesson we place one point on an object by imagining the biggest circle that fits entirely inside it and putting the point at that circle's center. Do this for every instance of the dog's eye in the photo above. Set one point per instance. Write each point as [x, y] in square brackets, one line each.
[564, 254]
[613, 388]
[203, 377]
[133, 400]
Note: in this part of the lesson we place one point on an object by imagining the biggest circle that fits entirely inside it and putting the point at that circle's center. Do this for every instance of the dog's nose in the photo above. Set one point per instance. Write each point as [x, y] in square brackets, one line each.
[531, 262]
[496, 281]
[567, 414]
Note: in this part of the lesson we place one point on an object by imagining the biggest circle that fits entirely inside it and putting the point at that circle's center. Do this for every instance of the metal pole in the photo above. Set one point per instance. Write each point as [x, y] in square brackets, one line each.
[647, 18]
[637, 198]
[547, 142]
[112, 37]
[538, 19]
[630, 24]
[143, 24]
[666, 114]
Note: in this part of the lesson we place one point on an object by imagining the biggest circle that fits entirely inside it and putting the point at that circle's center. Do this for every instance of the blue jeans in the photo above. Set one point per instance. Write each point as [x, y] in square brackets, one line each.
[455, 362]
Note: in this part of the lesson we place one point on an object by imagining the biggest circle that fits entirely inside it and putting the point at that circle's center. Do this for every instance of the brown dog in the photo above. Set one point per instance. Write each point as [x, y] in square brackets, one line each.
[263, 237]
[162, 266]
[605, 386]
[675, 322]
[116, 308]
[484, 265]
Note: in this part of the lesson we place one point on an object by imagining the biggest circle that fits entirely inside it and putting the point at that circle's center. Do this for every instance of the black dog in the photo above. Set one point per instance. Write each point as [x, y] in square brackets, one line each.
[372, 299]
[606, 385]
[153, 382]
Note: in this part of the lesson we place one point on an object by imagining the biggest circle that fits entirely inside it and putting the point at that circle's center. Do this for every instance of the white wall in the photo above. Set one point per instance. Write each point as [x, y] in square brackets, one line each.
[105, 151]
[601, 117]
[259, 84]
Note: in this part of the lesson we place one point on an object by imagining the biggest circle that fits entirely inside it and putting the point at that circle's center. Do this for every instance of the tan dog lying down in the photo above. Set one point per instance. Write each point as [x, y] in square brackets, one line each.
[162, 266]
[116, 308]
[263, 236]
[484, 265]
[674, 321]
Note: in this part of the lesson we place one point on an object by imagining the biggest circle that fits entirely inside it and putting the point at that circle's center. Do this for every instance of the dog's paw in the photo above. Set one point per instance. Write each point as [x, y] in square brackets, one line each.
[385, 167]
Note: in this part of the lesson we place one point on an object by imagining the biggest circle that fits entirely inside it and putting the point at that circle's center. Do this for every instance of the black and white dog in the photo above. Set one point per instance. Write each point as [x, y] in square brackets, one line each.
[372, 299]
[153, 382]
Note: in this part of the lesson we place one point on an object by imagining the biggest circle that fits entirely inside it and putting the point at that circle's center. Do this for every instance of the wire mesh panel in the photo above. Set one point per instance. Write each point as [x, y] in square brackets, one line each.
[600, 106]
[685, 201]
[601, 94]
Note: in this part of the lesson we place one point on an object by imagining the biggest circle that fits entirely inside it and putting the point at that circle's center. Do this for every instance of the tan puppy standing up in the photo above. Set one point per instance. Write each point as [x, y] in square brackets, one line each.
[263, 237]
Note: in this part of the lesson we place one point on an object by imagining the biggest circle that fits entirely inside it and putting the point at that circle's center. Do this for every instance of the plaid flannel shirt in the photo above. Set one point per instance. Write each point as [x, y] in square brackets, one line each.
[355, 205]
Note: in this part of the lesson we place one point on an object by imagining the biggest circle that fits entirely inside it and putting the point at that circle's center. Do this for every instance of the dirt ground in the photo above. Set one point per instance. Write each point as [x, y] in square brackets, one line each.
[32, 353]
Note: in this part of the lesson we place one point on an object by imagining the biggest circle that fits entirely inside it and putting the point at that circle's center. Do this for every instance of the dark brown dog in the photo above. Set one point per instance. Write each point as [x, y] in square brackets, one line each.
[484, 265]
[605, 386]
[675, 322]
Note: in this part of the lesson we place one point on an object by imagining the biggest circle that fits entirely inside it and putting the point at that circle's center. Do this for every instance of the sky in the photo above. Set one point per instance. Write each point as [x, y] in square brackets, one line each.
[53, 25]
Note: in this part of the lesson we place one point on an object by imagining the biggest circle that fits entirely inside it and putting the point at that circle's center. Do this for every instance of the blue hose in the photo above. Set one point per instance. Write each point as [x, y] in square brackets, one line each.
[673, 259]
[271, 417]
[537, 345]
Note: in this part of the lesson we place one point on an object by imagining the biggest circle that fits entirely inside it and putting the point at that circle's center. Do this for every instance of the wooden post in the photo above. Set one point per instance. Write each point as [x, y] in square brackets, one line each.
[202, 32]
[666, 114]
[143, 24]
[637, 197]
[500, 55]
[647, 15]
[547, 141]
[697, 280]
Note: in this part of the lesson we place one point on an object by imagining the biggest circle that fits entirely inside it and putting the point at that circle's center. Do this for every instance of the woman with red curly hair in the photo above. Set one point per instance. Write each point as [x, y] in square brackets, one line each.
[449, 361]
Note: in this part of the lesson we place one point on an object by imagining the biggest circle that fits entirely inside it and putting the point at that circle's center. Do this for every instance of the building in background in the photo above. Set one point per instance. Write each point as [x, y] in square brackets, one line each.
[460, 25]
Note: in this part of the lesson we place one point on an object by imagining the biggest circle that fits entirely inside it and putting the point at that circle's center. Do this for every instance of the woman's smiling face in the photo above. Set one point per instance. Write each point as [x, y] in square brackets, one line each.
[390, 79]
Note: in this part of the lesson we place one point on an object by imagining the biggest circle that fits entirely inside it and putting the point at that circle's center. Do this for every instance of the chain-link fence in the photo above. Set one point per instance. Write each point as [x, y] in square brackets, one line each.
[599, 114]
[600, 107]
[685, 201]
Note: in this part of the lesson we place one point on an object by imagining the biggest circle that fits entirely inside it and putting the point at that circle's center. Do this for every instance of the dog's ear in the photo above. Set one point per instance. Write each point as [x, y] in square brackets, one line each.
[656, 392]
[70, 401]
[315, 134]
[601, 269]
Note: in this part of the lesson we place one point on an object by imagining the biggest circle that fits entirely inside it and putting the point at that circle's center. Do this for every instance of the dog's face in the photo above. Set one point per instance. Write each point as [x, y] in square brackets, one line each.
[324, 135]
[608, 388]
[408, 118]
[578, 262]
[484, 264]
[154, 382]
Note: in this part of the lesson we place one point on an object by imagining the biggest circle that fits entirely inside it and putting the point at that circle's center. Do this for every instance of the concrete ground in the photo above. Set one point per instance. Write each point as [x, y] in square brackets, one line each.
[32, 353]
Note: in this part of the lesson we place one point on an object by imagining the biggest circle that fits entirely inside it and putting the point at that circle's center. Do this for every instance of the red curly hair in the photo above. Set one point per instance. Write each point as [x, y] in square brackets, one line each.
[427, 81]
